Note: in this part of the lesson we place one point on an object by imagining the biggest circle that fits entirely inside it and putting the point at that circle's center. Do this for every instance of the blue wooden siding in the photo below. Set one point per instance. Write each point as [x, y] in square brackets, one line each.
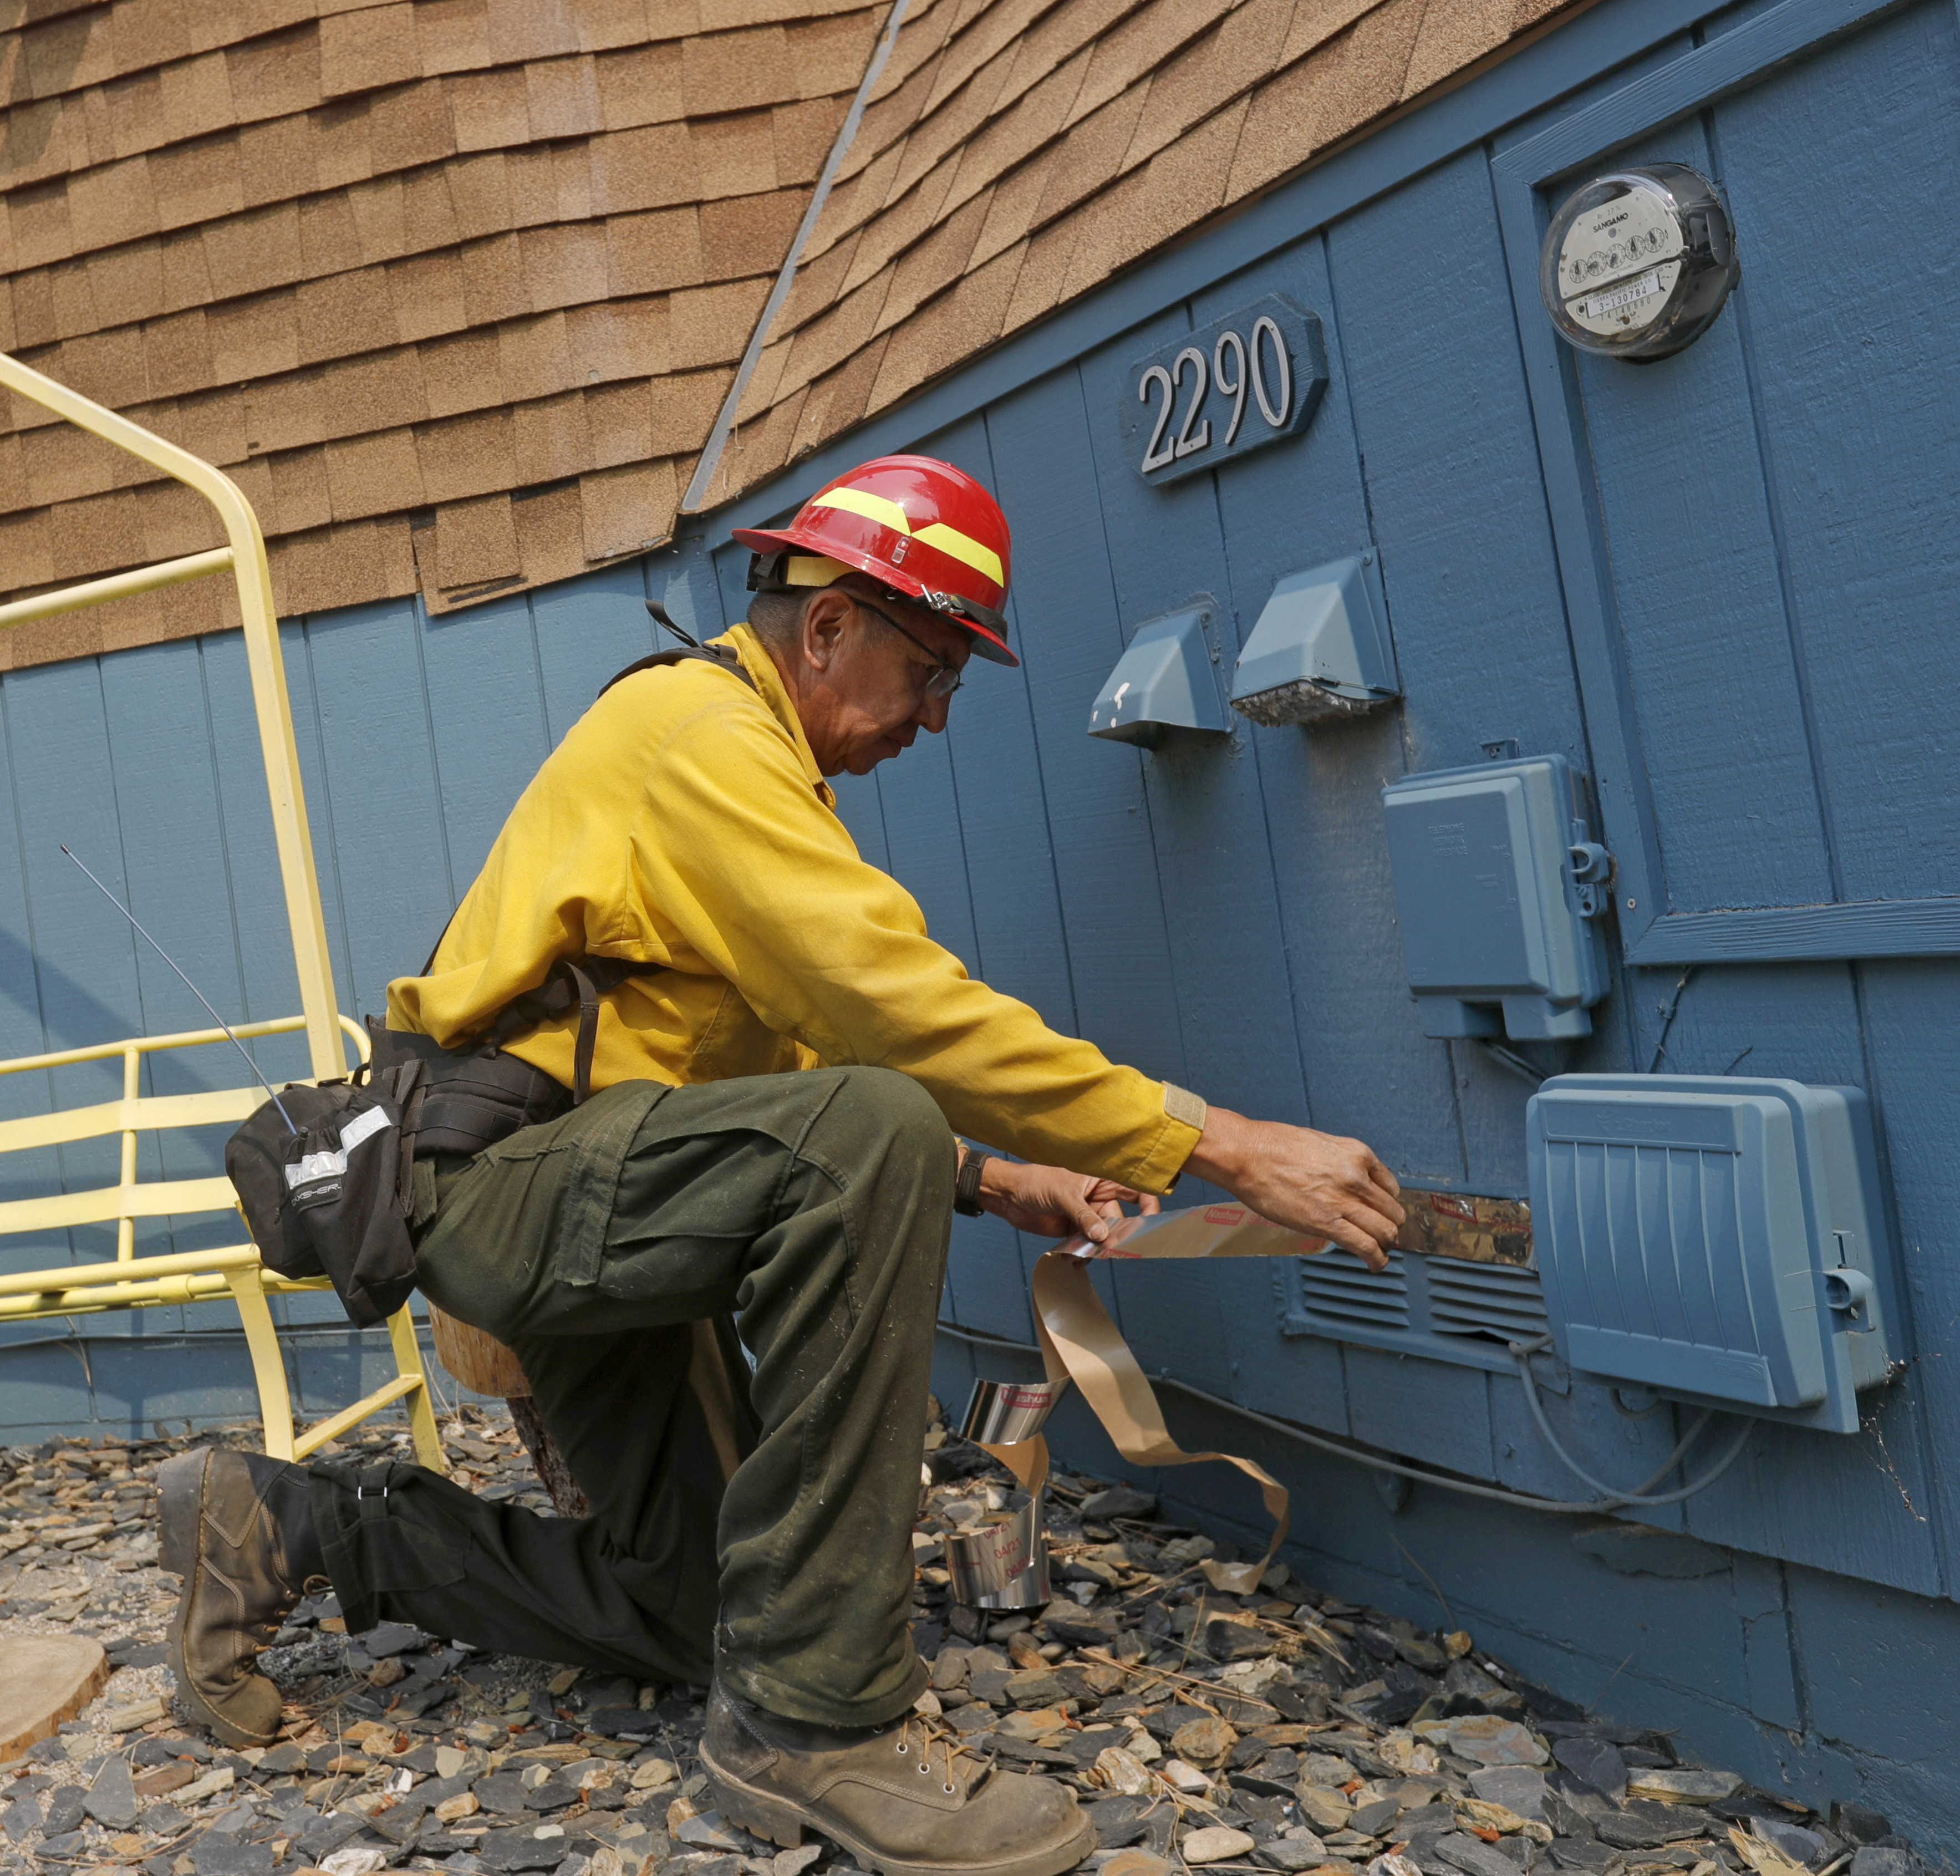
[1719, 585]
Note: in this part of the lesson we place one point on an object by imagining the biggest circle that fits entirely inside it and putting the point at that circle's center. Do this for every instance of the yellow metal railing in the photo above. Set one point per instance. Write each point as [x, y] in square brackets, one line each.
[130, 1281]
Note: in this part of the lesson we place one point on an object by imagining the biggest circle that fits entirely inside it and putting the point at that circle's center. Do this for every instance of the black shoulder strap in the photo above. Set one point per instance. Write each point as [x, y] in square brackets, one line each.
[720, 654]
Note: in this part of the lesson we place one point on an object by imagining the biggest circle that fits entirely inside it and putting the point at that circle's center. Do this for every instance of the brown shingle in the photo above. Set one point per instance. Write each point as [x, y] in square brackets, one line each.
[802, 138]
[340, 143]
[652, 252]
[564, 265]
[618, 339]
[276, 161]
[550, 538]
[640, 85]
[181, 354]
[120, 201]
[619, 421]
[58, 463]
[532, 175]
[626, 511]
[467, 455]
[651, 168]
[1091, 154]
[14, 475]
[1451, 37]
[493, 280]
[460, 374]
[248, 339]
[34, 320]
[735, 71]
[489, 109]
[408, 125]
[684, 404]
[143, 33]
[712, 325]
[27, 552]
[748, 235]
[196, 98]
[364, 50]
[211, 425]
[453, 35]
[1224, 65]
[194, 183]
[108, 367]
[374, 474]
[97, 534]
[345, 314]
[259, 248]
[732, 156]
[562, 96]
[476, 541]
[380, 209]
[376, 392]
[603, 23]
[277, 75]
[329, 241]
[828, 57]
[281, 413]
[532, 358]
[185, 269]
[427, 290]
[37, 220]
[300, 495]
[571, 170]
[550, 438]
[177, 521]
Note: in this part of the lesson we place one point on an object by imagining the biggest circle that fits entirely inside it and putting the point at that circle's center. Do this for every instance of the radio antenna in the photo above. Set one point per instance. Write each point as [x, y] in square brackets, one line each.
[188, 986]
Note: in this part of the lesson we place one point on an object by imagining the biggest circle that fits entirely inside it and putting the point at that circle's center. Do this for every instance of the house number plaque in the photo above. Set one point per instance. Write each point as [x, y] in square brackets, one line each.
[1225, 389]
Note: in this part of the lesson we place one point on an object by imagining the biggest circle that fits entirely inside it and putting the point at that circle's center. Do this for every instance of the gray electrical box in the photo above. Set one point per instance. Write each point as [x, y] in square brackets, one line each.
[1501, 892]
[1722, 1240]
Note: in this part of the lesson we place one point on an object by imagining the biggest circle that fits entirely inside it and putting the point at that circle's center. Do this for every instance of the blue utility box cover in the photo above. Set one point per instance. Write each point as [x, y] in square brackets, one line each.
[1501, 894]
[1320, 649]
[1720, 1239]
[1166, 681]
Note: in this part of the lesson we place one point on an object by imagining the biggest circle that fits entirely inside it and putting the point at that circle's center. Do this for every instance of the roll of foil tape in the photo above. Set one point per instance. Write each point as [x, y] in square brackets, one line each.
[1003, 1565]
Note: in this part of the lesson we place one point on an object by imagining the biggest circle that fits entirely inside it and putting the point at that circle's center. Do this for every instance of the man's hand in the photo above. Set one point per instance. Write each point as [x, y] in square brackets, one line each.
[1051, 1202]
[1315, 1183]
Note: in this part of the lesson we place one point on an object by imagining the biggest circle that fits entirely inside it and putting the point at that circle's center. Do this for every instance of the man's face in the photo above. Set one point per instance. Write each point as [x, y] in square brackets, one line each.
[863, 690]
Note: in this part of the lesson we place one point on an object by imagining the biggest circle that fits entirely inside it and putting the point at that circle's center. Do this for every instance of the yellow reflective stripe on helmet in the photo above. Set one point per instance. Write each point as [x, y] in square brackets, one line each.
[874, 508]
[964, 547]
[948, 540]
[812, 570]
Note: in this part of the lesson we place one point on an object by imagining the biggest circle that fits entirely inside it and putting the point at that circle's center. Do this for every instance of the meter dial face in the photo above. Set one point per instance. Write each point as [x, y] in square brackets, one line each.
[1638, 262]
[1619, 262]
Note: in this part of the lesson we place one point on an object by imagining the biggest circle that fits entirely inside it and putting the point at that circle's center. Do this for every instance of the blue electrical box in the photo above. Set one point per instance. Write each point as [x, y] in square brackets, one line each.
[1501, 893]
[1722, 1240]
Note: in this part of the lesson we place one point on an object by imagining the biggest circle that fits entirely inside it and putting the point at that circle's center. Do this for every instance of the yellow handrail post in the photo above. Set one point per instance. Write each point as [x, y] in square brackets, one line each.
[269, 1367]
[421, 1410]
[247, 557]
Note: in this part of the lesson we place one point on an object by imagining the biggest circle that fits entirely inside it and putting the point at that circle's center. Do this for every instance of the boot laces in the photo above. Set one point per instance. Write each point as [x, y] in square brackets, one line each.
[936, 1754]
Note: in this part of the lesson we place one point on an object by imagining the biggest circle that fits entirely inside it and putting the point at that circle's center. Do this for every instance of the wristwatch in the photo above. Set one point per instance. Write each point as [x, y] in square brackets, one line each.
[966, 1187]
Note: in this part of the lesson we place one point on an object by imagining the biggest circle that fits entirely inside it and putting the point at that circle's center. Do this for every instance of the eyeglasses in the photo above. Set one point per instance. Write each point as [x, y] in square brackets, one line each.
[946, 678]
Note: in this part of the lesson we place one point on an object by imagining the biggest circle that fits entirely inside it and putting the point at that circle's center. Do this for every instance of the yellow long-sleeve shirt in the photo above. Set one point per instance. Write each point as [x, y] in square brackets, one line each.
[684, 823]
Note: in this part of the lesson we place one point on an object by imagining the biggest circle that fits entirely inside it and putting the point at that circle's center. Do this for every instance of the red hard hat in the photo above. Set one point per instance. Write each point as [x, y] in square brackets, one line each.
[927, 530]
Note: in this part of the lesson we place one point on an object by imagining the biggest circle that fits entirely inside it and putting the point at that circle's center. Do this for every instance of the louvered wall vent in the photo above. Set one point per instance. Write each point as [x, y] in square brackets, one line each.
[1445, 1308]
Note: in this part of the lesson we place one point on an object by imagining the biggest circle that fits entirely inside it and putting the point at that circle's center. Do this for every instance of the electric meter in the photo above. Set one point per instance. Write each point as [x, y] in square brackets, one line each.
[1637, 263]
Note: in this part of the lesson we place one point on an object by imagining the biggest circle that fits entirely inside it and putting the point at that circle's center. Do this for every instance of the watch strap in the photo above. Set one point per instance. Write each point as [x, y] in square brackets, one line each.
[966, 1187]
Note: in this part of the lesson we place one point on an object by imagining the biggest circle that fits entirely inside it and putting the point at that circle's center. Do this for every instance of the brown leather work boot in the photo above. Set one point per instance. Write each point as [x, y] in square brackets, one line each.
[903, 1801]
[237, 1529]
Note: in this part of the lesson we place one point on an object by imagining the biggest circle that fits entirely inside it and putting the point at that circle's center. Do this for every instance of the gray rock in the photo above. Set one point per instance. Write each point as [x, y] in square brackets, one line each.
[111, 1800]
[20, 1816]
[1582, 1854]
[1800, 1846]
[1474, 1856]
[1594, 1762]
[163, 1819]
[511, 1850]
[64, 1811]
[501, 1794]
[391, 1638]
[402, 1822]
[1873, 1859]
[225, 1856]
[1371, 1820]
[1856, 1824]
[553, 1794]
[1119, 1501]
[1292, 1853]
[1644, 1825]
[1518, 1787]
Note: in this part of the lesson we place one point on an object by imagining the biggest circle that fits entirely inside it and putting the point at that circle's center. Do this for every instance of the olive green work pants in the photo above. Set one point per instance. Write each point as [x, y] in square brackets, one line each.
[814, 1209]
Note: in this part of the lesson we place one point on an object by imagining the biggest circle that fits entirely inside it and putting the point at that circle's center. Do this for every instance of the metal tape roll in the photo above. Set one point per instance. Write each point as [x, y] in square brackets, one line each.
[1003, 1565]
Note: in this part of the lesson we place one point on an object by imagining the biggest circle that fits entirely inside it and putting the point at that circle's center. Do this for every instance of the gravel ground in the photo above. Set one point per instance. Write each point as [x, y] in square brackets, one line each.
[1284, 1731]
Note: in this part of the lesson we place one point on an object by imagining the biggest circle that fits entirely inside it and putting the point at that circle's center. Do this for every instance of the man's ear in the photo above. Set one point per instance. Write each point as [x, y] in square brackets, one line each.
[825, 619]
